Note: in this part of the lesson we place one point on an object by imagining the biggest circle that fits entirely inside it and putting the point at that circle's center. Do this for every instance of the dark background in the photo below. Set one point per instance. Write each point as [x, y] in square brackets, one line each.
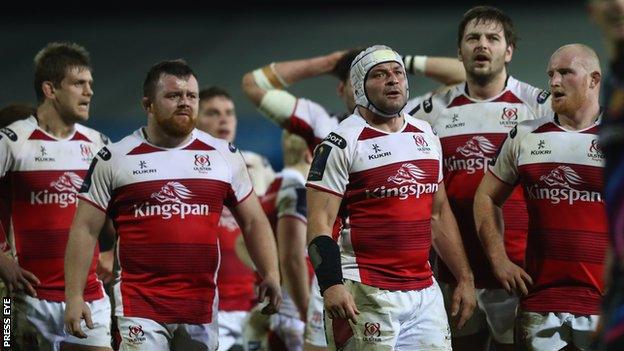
[223, 40]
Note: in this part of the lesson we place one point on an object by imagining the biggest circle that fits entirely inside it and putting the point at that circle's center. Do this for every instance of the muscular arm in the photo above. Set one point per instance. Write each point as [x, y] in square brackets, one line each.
[445, 70]
[291, 245]
[83, 236]
[291, 72]
[488, 215]
[448, 244]
[260, 244]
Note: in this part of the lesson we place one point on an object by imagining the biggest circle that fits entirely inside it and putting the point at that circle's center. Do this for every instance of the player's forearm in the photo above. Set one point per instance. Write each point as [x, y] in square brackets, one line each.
[294, 71]
[295, 276]
[489, 225]
[260, 244]
[78, 256]
[448, 244]
[445, 70]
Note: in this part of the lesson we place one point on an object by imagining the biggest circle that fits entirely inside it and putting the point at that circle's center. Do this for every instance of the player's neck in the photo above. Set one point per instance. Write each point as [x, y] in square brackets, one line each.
[302, 167]
[484, 90]
[389, 125]
[157, 137]
[583, 118]
[52, 123]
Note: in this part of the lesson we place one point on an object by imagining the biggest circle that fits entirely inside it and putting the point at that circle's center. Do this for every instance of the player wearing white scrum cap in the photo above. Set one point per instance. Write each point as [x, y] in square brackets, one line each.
[376, 204]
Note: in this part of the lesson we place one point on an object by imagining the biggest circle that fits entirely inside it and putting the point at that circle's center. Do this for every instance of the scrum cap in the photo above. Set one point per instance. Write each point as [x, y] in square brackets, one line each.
[361, 66]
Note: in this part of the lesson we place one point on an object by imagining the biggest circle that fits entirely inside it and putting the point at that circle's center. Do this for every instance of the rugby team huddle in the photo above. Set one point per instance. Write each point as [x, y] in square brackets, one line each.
[471, 215]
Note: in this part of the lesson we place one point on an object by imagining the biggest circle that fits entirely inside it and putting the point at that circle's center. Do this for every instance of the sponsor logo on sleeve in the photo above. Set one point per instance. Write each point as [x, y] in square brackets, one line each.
[105, 139]
[543, 96]
[317, 169]
[427, 105]
[104, 154]
[9, 133]
[232, 147]
[513, 132]
[336, 140]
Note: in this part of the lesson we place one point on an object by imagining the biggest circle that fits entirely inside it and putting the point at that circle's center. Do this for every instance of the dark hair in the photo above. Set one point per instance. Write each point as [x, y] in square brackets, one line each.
[53, 62]
[485, 14]
[178, 68]
[342, 67]
[213, 91]
[14, 112]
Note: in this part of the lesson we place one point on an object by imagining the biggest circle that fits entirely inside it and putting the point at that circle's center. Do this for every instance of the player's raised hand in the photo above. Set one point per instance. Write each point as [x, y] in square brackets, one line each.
[17, 278]
[464, 302]
[75, 310]
[339, 303]
[270, 288]
[512, 277]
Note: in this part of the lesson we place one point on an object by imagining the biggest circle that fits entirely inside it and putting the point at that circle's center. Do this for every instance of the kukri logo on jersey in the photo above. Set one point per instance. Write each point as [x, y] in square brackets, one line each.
[559, 186]
[407, 177]
[473, 156]
[170, 202]
[62, 191]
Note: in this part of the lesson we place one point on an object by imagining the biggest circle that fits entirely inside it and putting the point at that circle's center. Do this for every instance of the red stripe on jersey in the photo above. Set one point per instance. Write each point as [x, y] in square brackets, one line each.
[342, 332]
[567, 233]
[199, 146]
[268, 202]
[40, 240]
[80, 136]
[169, 251]
[166, 308]
[460, 101]
[317, 187]
[571, 299]
[368, 133]
[508, 97]
[593, 130]
[466, 159]
[144, 149]
[39, 135]
[410, 128]
[547, 128]
[389, 217]
[300, 127]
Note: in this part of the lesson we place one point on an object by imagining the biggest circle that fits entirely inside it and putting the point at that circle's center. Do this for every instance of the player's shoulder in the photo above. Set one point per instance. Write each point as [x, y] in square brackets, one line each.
[18, 131]
[419, 124]
[346, 132]
[210, 142]
[527, 93]
[92, 135]
[542, 123]
[437, 101]
[291, 178]
[127, 145]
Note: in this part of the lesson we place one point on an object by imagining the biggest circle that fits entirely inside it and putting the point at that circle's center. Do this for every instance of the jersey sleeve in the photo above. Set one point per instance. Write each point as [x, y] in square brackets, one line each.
[438, 146]
[240, 185]
[97, 185]
[505, 164]
[6, 156]
[291, 202]
[330, 167]
[311, 121]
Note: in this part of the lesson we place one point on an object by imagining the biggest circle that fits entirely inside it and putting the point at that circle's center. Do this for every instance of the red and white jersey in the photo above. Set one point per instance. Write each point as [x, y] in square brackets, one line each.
[471, 132]
[286, 197]
[236, 281]
[45, 174]
[260, 171]
[166, 205]
[387, 182]
[311, 121]
[561, 172]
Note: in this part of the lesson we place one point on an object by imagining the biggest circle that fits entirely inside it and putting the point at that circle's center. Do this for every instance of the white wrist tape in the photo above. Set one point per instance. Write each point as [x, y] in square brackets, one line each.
[415, 64]
[278, 105]
[268, 79]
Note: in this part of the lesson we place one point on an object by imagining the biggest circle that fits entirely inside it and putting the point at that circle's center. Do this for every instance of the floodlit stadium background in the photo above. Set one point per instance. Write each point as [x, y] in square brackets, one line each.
[221, 45]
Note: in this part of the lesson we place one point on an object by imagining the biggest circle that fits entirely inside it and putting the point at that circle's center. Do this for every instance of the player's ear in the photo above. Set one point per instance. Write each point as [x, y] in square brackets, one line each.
[48, 89]
[147, 104]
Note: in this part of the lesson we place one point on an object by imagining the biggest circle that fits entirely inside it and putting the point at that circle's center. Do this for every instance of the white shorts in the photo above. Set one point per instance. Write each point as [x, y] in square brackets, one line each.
[39, 325]
[315, 324]
[554, 330]
[288, 330]
[231, 328]
[142, 334]
[496, 312]
[392, 320]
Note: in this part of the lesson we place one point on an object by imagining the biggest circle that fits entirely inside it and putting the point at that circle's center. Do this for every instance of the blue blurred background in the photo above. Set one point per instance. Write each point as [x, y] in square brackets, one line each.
[222, 43]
